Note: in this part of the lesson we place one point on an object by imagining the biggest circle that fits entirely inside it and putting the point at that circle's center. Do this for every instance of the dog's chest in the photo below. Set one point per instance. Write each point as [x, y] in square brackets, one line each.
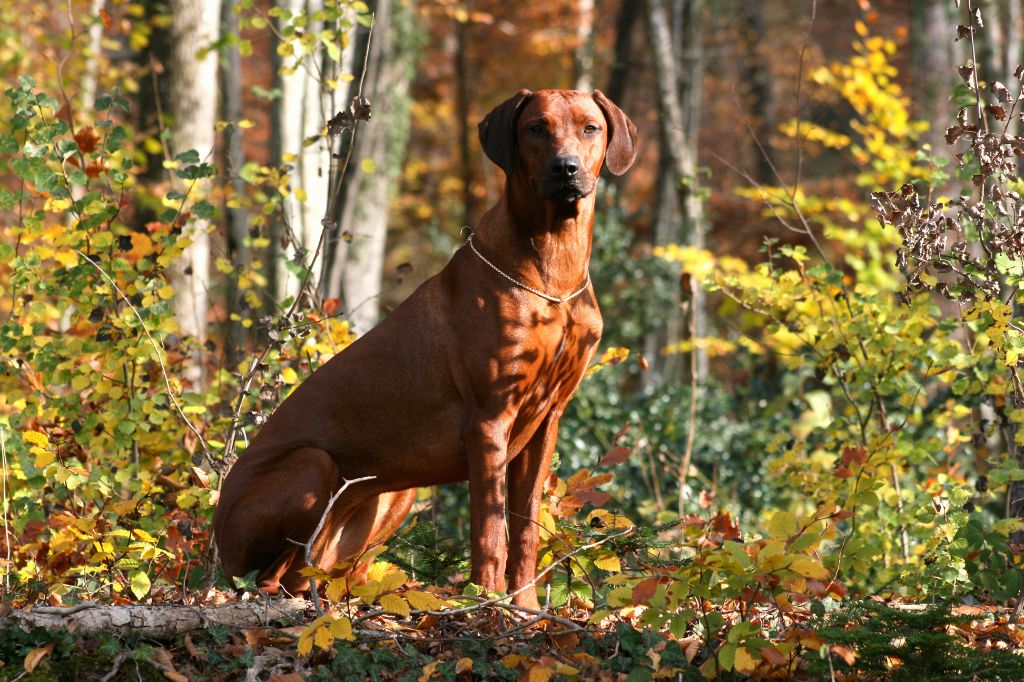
[555, 358]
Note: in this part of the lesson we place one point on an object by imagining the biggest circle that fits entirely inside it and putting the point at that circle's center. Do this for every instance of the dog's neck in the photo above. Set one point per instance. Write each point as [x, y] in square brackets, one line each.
[544, 243]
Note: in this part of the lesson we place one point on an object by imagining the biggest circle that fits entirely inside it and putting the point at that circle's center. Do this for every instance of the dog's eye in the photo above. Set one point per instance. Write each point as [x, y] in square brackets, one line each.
[537, 129]
[590, 129]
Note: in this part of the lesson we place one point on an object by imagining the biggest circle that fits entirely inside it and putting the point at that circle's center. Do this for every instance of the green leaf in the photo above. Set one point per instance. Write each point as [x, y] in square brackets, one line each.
[188, 158]
[203, 209]
[8, 144]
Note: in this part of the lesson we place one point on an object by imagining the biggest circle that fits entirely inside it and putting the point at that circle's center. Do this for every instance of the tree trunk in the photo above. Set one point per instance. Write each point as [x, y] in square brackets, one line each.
[193, 106]
[91, 69]
[629, 12]
[933, 63]
[156, 622]
[462, 77]
[237, 218]
[756, 75]
[619, 78]
[679, 213]
[302, 112]
[583, 58]
[376, 161]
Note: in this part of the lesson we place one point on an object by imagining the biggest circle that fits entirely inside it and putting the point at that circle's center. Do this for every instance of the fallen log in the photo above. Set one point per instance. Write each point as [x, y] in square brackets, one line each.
[156, 622]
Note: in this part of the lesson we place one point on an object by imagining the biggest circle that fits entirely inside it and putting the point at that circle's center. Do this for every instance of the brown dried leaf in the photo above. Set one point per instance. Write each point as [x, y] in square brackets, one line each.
[1000, 91]
[616, 455]
[33, 657]
[190, 647]
[200, 477]
[644, 590]
[848, 655]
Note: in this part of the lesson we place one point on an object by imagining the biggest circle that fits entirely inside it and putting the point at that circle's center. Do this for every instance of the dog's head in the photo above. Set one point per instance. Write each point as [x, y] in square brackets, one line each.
[559, 140]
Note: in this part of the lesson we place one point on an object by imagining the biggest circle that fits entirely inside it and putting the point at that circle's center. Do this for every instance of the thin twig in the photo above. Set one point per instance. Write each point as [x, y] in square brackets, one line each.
[7, 530]
[308, 545]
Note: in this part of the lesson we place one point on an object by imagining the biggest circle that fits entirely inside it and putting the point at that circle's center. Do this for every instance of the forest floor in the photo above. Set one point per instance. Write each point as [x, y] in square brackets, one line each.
[222, 638]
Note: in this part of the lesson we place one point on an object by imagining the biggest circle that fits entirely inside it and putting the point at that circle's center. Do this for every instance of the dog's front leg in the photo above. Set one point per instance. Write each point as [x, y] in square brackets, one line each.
[526, 481]
[487, 447]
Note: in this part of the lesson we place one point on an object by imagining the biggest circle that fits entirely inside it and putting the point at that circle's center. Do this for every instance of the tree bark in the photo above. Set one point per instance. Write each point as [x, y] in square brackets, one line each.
[462, 78]
[679, 213]
[629, 12]
[157, 622]
[757, 77]
[583, 58]
[302, 112]
[237, 218]
[933, 63]
[193, 106]
[356, 272]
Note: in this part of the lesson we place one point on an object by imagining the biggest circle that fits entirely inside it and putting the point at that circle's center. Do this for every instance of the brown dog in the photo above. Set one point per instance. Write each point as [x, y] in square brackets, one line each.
[466, 379]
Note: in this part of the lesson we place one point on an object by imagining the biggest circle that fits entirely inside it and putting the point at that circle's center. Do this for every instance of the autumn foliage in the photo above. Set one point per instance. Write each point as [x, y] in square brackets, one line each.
[833, 503]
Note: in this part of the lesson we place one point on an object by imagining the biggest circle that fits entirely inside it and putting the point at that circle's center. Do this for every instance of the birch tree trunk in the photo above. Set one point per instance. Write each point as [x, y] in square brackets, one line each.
[302, 113]
[91, 69]
[679, 215]
[583, 59]
[376, 160]
[193, 106]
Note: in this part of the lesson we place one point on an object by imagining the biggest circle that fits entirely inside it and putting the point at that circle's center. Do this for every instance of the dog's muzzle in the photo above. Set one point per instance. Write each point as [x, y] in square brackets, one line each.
[566, 180]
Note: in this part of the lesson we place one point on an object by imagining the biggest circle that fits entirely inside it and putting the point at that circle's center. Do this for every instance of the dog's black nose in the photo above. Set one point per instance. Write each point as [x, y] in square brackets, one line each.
[564, 165]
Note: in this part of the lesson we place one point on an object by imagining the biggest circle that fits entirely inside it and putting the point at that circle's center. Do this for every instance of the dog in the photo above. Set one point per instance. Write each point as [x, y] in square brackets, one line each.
[465, 380]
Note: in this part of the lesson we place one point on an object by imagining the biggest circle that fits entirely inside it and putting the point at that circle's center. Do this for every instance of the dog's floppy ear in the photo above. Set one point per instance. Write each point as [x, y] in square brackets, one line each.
[498, 131]
[621, 150]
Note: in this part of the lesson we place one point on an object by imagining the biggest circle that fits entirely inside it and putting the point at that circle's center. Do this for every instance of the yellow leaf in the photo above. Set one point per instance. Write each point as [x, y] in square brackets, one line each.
[368, 590]
[395, 604]
[245, 124]
[392, 580]
[423, 601]
[783, 525]
[36, 438]
[66, 258]
[512, 660]
[342, 628]
[300, 195]
[539, 674]
[427, 672]
[744, 662]
[465, 663]
[608, 562]
[809, 568]
[289, 376]
[323, 638]
[336, 589]
[80, 382]
[165, 292]
[43, 457]
[305, 646]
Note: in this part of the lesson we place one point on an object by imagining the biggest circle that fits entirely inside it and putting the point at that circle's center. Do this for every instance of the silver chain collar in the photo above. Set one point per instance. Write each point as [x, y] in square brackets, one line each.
[538, 292]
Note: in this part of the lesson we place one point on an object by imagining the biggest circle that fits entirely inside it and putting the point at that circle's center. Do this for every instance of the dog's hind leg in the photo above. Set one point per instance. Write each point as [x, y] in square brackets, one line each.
[269, 504]
[354, 525]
